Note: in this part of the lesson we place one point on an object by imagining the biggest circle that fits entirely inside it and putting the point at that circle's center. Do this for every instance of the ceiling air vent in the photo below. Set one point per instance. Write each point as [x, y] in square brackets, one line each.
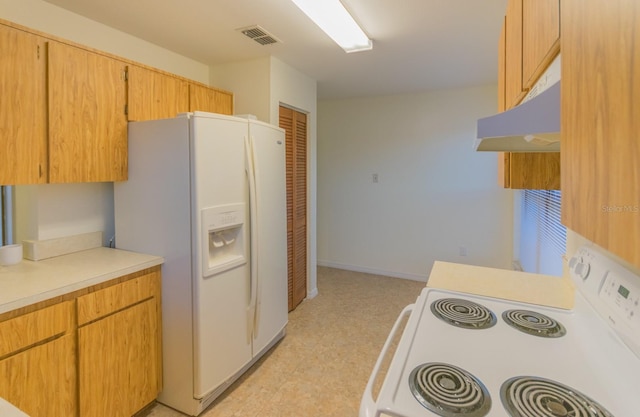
[259, 35]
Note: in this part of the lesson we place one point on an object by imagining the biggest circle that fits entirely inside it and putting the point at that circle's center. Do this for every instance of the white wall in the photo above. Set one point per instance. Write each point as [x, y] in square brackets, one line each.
[260, 86]
[53, 20]
[250, 82]
[434, 195]
[57, 210]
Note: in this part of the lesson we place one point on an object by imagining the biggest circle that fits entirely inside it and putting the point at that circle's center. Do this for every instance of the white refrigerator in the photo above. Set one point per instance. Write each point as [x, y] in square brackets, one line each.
[207, 193]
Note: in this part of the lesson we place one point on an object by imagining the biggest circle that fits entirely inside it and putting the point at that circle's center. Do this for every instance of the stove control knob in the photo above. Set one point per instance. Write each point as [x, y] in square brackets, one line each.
[582, 269]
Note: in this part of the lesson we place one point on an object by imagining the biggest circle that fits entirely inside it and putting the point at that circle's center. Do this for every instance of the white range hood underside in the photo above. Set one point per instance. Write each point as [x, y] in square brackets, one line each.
[533, 126]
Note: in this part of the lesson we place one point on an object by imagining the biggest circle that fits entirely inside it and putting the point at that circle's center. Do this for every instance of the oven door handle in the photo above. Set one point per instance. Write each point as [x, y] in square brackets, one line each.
[368, 406]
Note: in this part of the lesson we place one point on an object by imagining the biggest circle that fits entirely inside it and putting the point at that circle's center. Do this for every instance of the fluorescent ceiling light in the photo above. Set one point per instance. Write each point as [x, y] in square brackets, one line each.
[335, 21]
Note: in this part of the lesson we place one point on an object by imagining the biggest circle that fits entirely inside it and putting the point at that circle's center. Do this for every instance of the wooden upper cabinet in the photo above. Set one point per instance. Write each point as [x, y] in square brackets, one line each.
[87, 123]
[600, 125]
[502, 70]
[155, 95]
[529, 170]
[540, 37]
[532, 41]
[23, 124]
[64, 107]
[525, 45]
[208, 99]
[514, 91]
[503, 157]
[533, 171]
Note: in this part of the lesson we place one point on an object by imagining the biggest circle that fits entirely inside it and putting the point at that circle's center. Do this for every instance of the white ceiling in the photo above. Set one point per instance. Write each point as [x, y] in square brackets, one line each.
[418, 45]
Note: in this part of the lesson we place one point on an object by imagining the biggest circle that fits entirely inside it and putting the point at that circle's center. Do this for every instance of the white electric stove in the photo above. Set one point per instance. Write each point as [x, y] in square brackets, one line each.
[462, 355]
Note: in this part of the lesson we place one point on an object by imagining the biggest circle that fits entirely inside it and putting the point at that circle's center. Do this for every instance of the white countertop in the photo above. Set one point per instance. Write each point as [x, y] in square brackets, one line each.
[545, 290]
[29, 282]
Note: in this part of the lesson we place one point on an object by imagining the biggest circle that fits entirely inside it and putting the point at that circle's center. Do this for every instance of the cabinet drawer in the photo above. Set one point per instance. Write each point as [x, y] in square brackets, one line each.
[117, 297]
[27, 330]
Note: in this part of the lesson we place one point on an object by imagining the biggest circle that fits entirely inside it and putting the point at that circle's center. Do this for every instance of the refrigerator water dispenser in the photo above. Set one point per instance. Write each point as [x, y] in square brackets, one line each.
[223, 238]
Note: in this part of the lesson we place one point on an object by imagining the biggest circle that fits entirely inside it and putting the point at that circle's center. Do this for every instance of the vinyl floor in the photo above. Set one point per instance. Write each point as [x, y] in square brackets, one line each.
[322, 365]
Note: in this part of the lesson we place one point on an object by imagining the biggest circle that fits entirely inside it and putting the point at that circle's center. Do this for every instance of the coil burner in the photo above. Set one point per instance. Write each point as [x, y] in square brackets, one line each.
[463, 313]
[527, 396]
[449, 391]
[534, 323]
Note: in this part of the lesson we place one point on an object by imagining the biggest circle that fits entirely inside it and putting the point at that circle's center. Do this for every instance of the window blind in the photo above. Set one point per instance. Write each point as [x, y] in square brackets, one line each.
[542, 236]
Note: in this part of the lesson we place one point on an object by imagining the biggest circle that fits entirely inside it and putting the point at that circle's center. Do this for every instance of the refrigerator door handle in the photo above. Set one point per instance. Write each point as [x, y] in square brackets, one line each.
[253, 221]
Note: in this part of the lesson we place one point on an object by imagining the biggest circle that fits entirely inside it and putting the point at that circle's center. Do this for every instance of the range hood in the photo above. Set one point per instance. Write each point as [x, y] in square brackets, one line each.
[533, 126]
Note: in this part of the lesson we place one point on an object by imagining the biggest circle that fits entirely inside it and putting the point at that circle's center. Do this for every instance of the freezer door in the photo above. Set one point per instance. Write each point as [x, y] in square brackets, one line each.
[269, 164]
[222, 339]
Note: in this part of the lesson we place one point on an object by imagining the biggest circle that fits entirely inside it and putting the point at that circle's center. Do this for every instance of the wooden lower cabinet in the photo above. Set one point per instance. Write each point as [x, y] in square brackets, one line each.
[41, 381]
[96, 352]
[117, 362]
[119, 352]
[37, 362]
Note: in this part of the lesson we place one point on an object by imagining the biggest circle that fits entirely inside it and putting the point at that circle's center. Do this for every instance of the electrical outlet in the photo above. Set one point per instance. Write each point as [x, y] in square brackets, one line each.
[463, 251]
[374, 177]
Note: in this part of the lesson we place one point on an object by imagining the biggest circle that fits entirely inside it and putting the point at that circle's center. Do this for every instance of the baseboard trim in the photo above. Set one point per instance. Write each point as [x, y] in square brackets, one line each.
[312, 293]
[356, 268]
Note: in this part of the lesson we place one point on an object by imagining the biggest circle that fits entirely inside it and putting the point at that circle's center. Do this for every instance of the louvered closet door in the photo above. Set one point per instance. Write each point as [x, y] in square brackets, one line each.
[295, 125]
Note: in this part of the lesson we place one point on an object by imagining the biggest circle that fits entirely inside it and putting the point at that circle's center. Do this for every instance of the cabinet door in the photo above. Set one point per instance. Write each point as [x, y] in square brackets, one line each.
[155, 95]
[118, 358]
[600, 123]
[209, 99]
[119, 348]
[532, 171]
[503, 157]
[514, 91]
[41, 381]
[532, 41]
[23, 135]
[87, 124]
[37, 372]
[502, 70]
[540, 37]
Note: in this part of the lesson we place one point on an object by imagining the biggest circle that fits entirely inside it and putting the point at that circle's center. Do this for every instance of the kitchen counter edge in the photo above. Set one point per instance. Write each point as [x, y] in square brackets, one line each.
[30, 282]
